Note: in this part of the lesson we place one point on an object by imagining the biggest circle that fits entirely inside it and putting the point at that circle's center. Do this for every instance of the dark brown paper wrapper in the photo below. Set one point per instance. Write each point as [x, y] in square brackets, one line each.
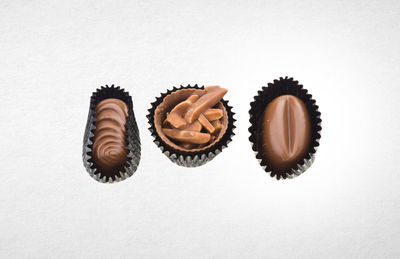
[132, 137]
[191, 159]
[265, 96]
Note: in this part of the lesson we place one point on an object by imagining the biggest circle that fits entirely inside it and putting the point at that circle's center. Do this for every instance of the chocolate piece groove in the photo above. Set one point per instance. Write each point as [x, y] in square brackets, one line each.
[285, 132]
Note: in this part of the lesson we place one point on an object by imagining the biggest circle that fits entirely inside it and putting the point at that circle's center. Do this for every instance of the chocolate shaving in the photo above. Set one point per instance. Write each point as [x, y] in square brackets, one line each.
[194, 122]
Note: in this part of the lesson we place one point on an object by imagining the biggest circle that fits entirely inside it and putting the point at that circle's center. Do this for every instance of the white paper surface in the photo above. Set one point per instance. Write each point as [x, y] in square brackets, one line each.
[53, 54]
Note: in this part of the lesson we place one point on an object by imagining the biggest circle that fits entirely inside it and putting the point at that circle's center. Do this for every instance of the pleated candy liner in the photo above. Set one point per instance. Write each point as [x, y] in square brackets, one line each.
[132, 137]
[265, 96]
[191, 159]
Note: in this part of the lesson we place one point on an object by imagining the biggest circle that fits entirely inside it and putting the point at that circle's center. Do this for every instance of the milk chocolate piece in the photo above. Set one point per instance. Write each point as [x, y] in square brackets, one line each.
[176, 120]
[213, 114]
[109, 143]
[187, 136]
[195, 126]
[206, 124]
[213, 95]
[217, 124]
[286, 133]
[182, 107]
[175, 116]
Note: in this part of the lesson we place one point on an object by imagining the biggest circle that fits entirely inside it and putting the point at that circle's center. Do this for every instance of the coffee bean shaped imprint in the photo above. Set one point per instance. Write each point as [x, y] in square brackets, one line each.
[286, 133]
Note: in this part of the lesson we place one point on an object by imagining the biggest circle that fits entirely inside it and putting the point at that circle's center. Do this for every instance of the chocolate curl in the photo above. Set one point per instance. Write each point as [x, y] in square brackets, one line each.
[213, 114]
[206, 124]
[175, 116]
[213, 95]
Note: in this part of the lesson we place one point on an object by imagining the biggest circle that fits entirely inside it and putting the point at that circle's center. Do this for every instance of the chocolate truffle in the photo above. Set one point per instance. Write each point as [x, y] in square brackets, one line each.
[109, 143]
[285, 134]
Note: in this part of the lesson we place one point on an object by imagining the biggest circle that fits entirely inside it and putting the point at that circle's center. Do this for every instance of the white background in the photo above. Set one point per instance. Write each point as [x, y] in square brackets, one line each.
[54, 54]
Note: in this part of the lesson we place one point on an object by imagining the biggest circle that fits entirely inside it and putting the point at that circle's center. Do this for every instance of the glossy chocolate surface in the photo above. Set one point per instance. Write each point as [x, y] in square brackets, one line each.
[109, 143]
[192, 120]
[285, 132]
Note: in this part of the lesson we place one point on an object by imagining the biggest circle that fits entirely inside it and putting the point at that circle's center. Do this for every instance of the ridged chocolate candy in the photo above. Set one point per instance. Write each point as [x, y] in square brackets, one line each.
[109, 143]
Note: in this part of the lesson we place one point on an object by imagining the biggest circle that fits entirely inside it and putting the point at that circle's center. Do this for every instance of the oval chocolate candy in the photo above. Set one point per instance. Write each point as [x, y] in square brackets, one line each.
[286, 133]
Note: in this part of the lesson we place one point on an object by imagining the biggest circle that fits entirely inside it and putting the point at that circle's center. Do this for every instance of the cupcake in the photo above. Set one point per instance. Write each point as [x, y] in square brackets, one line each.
[111, 144]
[191, 125]
[285, 128]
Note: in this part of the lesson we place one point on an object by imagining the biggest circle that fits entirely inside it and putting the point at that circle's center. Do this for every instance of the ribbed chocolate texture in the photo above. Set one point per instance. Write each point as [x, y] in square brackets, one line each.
[109, 143]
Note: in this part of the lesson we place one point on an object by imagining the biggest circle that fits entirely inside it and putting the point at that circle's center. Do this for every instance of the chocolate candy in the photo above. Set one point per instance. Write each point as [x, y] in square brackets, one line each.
[285, 127]
[285, 135]
[195, 120]
[109, 143]
[196, 141]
